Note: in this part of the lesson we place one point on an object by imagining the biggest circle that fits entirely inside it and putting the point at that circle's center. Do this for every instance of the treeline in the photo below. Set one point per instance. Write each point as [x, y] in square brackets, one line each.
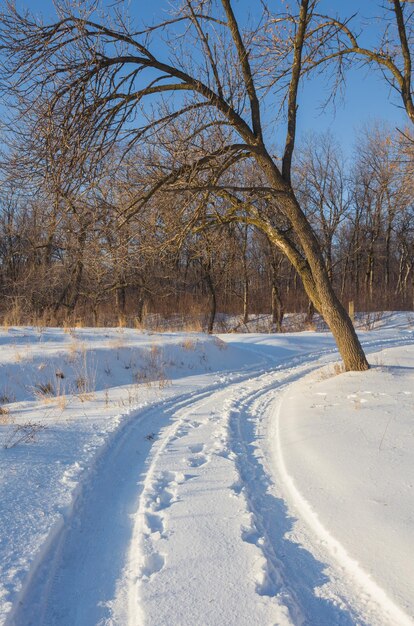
[74, 249]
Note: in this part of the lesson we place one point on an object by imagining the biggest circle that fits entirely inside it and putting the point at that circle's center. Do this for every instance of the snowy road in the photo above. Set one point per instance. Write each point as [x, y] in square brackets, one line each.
[174, 495]
[190, 517]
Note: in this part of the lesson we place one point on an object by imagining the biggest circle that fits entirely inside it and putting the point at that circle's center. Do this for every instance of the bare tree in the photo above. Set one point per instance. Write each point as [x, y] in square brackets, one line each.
[340, 42]
[322, 184]
[98, 78]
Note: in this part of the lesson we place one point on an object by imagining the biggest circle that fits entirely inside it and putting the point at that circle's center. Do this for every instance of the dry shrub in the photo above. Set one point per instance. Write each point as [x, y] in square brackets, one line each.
[23, 433]
[43, 390]
[85, 380]
[75, 349]
[19, 357]
[331, 370]
[194, 324]
[13, 317]
[81, 384]
[7, 397]
[49, 391]
[153, 370]
[189, 345]
[137, 323]
[5, 416]
[371, 320]
[67, 326]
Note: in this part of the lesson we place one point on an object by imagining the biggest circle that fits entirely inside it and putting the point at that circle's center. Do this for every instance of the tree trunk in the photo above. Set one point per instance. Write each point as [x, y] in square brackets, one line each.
[121, 299]
[277, 309]
[140, 309]
[246, 301]
[344, 274]
[313, 272]
[277, 304]
[213, 303]
[75, 291]
[310, 313]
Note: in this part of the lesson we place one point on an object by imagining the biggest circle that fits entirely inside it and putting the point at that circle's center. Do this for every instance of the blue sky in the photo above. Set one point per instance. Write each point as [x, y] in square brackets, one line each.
[367, 97]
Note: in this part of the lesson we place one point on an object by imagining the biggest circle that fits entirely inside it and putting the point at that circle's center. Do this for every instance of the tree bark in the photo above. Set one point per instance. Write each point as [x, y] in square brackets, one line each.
[213, 303]
[314, 274]
[246, 300]
[277, 309]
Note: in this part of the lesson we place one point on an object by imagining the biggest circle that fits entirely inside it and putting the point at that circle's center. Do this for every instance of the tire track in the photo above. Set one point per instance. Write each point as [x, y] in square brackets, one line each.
[81, 577]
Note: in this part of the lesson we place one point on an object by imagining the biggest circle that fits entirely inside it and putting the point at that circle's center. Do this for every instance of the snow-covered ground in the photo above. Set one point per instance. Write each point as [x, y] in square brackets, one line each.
[190, 480]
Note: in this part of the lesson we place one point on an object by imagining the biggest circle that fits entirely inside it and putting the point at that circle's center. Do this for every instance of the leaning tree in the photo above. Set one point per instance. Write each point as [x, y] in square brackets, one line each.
[194, 88]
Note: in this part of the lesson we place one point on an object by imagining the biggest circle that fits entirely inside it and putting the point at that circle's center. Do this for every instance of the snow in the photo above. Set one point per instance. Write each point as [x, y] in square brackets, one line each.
[184, 479]
[350, 441]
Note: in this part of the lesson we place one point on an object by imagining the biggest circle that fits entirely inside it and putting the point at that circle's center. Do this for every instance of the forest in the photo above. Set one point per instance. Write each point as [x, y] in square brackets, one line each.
[144, 185]
[79, 260]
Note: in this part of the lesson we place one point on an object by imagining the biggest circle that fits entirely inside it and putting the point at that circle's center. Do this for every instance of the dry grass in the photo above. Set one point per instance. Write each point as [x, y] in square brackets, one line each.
[43, 390]
[49, 392]
[73, 351]
[5, 416]
[13, 317]
[193, 325]
[76, 350]
[153, 370]
[190, 322]
[23, 433]
[67, 326]
[189, 345]
[330, 371]
[132, 399]
[20, 356]
[137, 324]
[85, 377]
[5, 398]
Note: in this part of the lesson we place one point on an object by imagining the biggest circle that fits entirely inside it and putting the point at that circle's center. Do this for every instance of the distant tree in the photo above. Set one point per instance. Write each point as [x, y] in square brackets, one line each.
[323, 189]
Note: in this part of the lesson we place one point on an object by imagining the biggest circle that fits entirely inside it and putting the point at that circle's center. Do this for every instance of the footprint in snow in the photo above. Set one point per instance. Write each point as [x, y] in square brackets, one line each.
[198, 447]
[154, 523]
[163, 493]
[154, 563]
[197, 461]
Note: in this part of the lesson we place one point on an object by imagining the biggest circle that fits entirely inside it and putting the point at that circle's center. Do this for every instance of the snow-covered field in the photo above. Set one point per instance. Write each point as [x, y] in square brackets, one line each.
[182, 479]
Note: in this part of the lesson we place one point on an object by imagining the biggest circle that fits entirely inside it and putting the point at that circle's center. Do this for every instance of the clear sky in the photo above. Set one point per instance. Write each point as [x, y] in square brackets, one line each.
[367, 97]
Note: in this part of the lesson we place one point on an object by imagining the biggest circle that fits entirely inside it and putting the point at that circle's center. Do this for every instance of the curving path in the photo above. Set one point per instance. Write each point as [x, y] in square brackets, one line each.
[185, 520]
